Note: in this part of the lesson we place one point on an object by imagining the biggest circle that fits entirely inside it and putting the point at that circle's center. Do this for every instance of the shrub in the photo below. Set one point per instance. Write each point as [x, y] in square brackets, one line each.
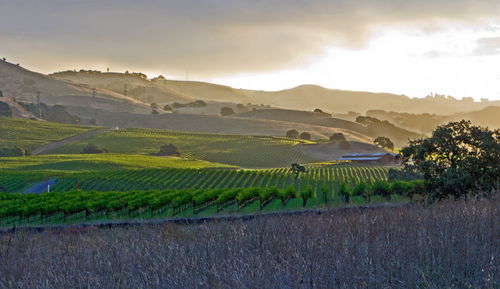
[400, 187]
[225, 111]
[381, 188]
[167, 107]
[344, 192]
[360, 189]
[13, 152]
[168, 150]
[305, 136]
[286, 194]
[306, 194]
[293, 133]
[93, 149]
[337, 137]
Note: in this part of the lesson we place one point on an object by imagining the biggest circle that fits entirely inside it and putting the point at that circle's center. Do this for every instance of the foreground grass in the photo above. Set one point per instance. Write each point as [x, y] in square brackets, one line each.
[31, 134]
[449, 245]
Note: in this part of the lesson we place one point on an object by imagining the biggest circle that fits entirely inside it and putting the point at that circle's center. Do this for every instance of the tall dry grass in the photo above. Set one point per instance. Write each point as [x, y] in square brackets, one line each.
[449, 245]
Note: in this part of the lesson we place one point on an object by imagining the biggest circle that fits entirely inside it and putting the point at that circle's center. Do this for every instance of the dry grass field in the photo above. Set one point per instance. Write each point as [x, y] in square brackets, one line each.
[448, 245]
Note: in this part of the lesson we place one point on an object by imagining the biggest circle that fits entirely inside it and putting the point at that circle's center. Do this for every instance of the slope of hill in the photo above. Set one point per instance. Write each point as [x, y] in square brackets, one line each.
[16, 109]
[426, 123]
[311, 96]
[23, 85]
[489, 116]
[238, 150]
[398, 135]
[134, 85]
[31, 134]
[206, 91]
[211, 124]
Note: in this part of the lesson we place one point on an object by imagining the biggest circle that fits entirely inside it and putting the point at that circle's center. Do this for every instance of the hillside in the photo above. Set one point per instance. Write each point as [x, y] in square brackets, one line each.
[23, 85]
[14, 109]
[134, 85]
[426, 123]
[489, 116]
[31, 134]
[309, 97]
[211, 124]
[235, 150]
[398, 135]
[206, 91]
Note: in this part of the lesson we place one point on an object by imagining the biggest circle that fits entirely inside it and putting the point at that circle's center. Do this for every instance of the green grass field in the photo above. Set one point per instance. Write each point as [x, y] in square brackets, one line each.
[31, 134]
[238, 150]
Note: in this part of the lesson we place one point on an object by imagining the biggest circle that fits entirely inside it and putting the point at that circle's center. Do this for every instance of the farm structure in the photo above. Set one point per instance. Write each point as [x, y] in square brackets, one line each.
[385, 158]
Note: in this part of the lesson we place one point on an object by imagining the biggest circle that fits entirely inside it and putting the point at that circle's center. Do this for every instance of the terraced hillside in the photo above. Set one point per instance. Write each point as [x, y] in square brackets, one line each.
[31, 134]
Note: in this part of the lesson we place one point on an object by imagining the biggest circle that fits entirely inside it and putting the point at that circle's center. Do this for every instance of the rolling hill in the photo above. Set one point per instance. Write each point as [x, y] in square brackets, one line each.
[309, 97]
[31, 134]
[398, 135]
[134, 85]
[426, 123]
[211, 124]
[23, 85]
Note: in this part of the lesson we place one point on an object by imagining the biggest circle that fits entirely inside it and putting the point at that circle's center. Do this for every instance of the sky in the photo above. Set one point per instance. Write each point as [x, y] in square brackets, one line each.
[409, 47]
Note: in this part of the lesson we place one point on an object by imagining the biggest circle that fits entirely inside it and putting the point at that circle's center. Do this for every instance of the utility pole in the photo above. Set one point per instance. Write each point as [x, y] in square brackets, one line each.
[125, 90]
[93, 92]
[39, 105]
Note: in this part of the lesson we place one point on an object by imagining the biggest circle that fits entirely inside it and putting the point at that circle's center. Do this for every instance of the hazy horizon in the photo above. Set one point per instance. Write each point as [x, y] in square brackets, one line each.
[411, 48]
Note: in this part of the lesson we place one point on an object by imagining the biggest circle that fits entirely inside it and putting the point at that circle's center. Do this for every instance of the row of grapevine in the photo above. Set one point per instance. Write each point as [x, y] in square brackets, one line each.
[159, 179]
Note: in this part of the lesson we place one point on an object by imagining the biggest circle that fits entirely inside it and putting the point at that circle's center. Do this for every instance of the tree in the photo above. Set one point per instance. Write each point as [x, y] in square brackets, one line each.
[198, 103]
[305, 136]
[297, 169]
[458, 160]
[225, 111]
[93, 149]
[168, 150]
[159, 78]
[384, 142]
[293, 133]
[337, 137]
[241, 107]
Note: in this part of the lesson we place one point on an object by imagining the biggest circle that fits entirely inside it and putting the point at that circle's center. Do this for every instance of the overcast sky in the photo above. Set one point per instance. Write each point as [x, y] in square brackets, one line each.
[403, 46]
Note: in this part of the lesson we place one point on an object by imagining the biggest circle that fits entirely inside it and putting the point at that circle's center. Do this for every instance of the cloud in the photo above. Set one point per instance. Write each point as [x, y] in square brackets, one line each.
[487, 46]
[209, 37]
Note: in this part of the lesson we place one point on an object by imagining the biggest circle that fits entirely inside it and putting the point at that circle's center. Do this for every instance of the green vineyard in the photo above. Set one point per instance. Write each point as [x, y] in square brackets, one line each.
[239, 150]
[31, 134]
[161, 179]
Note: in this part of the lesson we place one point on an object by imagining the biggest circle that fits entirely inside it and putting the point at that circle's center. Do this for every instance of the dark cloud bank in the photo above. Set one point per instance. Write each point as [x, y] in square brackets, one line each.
[211, 37]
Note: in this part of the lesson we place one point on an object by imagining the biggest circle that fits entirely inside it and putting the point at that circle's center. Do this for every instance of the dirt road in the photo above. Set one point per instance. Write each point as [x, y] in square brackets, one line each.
[54, 145]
